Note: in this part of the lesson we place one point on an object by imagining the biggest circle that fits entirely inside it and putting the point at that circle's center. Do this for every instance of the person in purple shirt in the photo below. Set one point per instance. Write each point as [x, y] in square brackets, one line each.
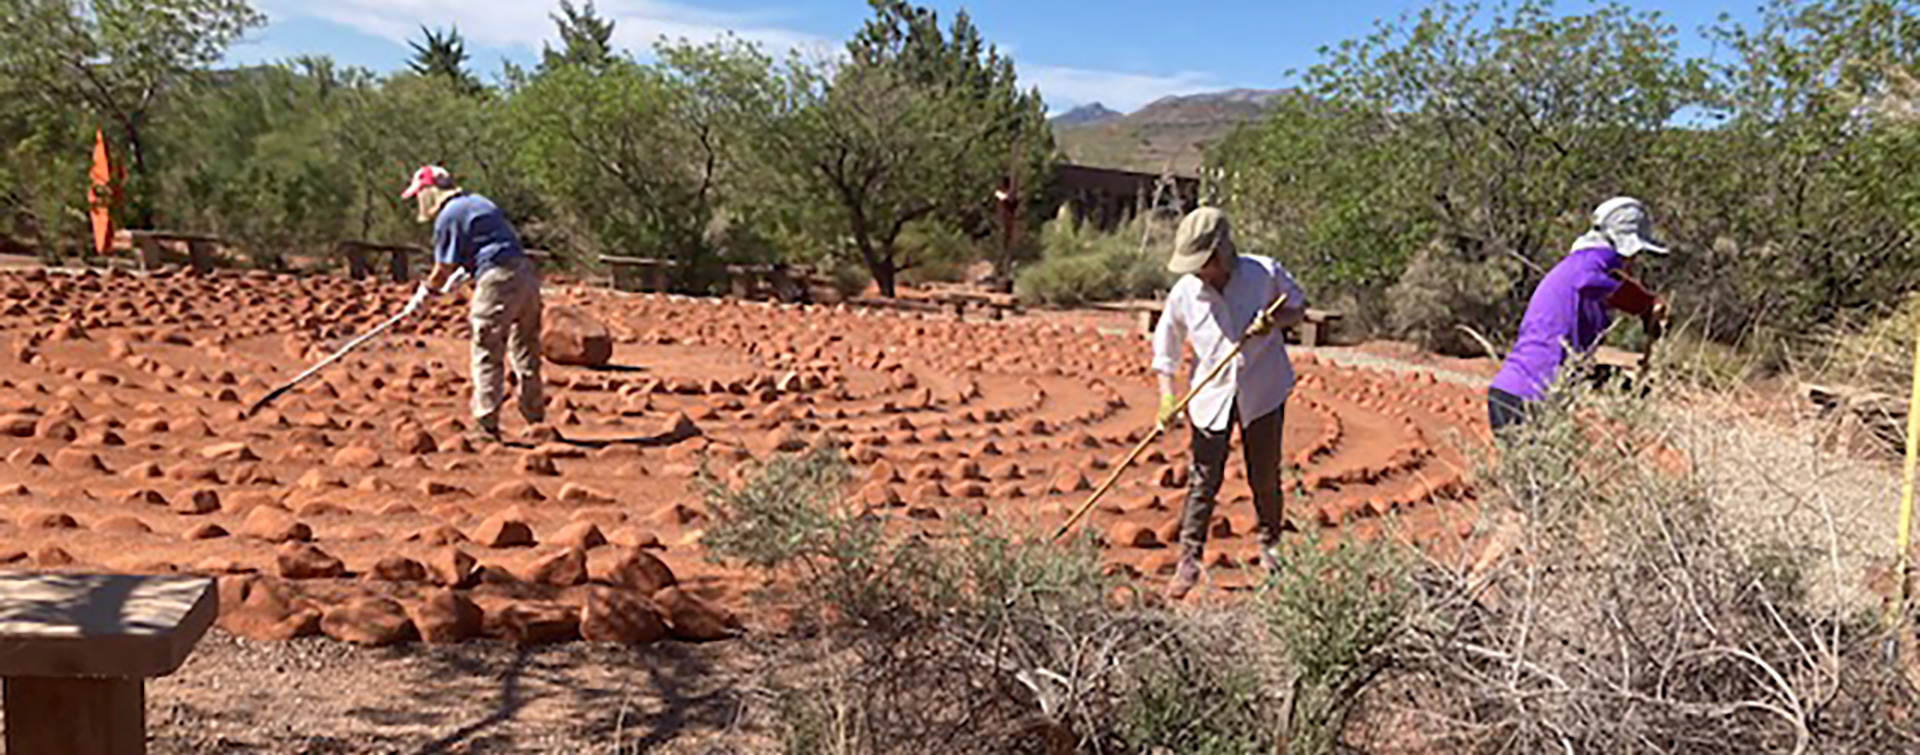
[1571, 307]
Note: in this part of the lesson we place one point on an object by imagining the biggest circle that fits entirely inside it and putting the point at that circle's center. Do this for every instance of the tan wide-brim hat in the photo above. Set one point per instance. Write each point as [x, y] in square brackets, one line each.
[1202, 234]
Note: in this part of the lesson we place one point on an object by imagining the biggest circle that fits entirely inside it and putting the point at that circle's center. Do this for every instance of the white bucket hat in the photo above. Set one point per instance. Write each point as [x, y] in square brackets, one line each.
[1202, 233]
[1625, 223]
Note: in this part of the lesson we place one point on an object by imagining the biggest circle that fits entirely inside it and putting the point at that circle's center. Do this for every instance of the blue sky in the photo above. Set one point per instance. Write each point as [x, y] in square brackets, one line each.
[1124, 53]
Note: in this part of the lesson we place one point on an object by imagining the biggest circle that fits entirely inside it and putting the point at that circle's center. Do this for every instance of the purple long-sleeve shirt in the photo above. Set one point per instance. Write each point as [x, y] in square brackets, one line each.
[1568, 309]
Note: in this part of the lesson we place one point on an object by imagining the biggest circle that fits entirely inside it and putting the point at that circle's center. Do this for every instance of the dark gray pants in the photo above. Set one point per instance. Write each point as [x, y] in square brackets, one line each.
[1260, 441]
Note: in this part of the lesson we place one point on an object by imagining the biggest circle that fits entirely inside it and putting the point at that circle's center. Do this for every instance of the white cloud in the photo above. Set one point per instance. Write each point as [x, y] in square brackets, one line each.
[526, 25]
[1066, 87]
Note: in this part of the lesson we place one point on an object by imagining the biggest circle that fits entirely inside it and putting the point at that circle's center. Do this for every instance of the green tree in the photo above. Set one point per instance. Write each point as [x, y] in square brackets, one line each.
[586, 38]
[443, 54]
[117, 61]
[1801, 205]
[604, 147]
[918, 125]
[1497, 132]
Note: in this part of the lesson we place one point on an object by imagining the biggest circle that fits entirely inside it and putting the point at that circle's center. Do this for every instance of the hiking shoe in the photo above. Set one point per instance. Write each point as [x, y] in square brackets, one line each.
[483, 436]
[1185, 575]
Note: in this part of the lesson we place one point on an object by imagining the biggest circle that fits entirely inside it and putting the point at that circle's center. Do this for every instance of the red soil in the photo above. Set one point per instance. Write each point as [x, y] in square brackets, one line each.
[354, 503]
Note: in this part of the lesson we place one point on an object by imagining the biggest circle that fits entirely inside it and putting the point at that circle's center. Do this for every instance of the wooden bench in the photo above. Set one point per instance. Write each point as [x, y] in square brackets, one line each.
[996, 306]
[76, 651]
[640, 273]
[149, 247]
[359, 256]
[1318, 325]
[1312, 331]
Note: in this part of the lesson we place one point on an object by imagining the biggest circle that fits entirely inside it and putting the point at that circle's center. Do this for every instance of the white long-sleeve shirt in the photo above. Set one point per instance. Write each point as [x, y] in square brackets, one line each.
[1261, 377]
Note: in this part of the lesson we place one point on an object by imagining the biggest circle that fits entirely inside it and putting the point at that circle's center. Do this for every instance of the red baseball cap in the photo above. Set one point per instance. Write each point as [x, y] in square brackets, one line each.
[427, 176]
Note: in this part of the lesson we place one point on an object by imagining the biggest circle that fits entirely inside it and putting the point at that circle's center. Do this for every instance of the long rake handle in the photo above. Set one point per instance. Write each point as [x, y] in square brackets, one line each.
[322, 364]
[1114, 476]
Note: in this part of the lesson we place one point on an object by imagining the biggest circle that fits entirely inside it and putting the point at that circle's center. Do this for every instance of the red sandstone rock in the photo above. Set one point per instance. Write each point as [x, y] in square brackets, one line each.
[574, 492]
[274, 525]
[205, 531]
[369, 621]
[690, 617]
[304, 561]
[615, 616]
[197, 501]
[452, 567]
[503, 531]
[357, 457]
[398, 569]
[634, 569]
[565, 567]
[235, 451]
[124, 525]
[76, 460]
[581, 535]
[47, 520]
[570, 336]
[533, 623]
[444, 616]
[516, 490]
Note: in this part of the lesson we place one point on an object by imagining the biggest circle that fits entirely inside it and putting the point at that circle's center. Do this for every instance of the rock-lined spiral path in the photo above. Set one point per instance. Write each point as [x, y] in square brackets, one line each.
[354, 507]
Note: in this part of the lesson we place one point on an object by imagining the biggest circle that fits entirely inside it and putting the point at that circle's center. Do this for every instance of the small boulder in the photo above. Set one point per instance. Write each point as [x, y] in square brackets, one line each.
[570, 336]
[503, 530]
[445, 616]
[691, 617]
[274, 525]
[616, 616]
[565, 567]
[369, 621]
[533, 623]
[634, 569]
[452, 567]
[304, 561]
[398, 569]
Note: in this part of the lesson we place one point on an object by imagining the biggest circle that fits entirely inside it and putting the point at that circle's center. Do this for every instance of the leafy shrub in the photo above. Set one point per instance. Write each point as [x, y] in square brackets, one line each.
[1333, 612]
[1440, 291]
[1081, 264]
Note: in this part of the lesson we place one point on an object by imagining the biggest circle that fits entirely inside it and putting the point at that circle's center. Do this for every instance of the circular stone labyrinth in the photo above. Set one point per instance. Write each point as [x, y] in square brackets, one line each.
[353, 506]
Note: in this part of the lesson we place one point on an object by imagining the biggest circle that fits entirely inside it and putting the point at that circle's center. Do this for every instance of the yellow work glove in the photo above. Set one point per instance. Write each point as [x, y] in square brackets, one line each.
[1262, 325]
[1165, 415]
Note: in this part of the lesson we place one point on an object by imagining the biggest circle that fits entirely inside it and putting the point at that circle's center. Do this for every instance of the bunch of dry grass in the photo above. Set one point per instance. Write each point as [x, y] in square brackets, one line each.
[1615, 612]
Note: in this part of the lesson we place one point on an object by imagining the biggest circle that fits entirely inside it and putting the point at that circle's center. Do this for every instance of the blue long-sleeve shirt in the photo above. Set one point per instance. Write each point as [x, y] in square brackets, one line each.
[471, 232]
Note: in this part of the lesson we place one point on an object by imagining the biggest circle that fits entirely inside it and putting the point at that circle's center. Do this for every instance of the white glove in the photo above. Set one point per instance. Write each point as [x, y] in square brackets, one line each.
[458, 277]
[420, 295]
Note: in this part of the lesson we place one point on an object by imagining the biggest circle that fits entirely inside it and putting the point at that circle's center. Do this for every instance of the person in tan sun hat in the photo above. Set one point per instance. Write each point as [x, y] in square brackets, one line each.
[472, 236]
[1220, 298]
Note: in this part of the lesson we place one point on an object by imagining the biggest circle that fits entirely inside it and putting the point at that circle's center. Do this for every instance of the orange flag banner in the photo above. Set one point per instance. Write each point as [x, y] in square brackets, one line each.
[102, 194]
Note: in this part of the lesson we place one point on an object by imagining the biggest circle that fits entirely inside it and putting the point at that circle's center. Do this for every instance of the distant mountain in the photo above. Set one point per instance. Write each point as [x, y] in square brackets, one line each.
[1171, 129]
[1085, 115]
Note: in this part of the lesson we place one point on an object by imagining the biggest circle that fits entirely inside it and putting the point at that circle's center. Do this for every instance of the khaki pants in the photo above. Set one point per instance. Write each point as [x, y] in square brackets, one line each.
[1260, 441]
[506, 327]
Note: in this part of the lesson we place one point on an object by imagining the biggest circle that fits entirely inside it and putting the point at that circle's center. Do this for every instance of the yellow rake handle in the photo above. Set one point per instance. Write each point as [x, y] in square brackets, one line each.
[1114, 476]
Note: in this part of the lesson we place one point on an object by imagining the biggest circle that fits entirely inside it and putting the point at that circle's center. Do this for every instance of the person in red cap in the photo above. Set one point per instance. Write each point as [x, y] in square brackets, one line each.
[472, 237]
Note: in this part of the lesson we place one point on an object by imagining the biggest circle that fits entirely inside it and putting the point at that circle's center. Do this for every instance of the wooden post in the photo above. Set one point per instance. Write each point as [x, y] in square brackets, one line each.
[399, 266]
[149, 250]
[76, 650]
[200, 256]
[357, 266]
[76, 716]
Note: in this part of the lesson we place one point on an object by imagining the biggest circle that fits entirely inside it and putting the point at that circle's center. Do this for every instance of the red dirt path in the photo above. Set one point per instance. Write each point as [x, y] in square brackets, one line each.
[120, 401]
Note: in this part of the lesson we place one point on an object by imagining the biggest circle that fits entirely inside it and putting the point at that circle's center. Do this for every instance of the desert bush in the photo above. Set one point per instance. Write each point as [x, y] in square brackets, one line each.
[984, 640]
[1081, 264]
[1441, 289]
[1334, 611]
[1614, 612]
